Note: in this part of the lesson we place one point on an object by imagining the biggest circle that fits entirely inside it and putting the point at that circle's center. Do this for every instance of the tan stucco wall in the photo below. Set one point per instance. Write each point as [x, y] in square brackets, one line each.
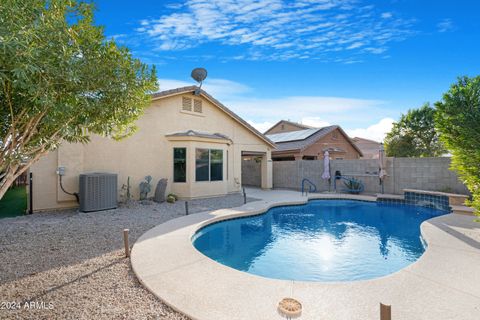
[150, 152]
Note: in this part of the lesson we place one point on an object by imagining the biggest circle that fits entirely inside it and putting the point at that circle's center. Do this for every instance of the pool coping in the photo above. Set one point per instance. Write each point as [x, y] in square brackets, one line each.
[167, 264]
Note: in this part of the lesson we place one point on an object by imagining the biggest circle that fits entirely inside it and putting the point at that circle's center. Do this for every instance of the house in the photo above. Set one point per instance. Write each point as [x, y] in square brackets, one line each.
[294, 143]
[286, 126]
[369, 148]
[192, 140]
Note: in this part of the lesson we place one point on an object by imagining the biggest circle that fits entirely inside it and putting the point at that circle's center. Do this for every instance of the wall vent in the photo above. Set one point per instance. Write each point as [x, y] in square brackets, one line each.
[98, 191]
[197, 105]
[186, 104]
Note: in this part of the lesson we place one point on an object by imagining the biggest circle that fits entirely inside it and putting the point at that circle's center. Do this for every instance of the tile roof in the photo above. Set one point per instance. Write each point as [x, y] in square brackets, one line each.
[192, 133]
[308, 140]
[370, 148]
[300, 126]
[305, 142]
[166, 93]
[292, 135]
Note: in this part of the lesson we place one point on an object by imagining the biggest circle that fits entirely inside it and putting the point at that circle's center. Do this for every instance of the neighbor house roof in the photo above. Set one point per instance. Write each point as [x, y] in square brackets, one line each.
[363, 140]
[370, 148]
[300, 126]
[300, 140]
[233, 115]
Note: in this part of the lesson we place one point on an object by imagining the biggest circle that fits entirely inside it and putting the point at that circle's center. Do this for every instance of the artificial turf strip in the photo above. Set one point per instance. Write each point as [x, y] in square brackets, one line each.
[14, 202]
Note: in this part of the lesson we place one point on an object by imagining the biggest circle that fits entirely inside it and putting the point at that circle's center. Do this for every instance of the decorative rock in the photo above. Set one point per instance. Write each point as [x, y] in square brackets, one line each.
[160, 190]
[105, 279]
[290, 308]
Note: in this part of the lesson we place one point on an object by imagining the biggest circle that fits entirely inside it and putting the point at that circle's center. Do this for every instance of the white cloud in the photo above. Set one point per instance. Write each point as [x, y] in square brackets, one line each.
[386, 15]
[374, 132]
[219, 88]
[167, 84]
[315, 111]
[261, 126]
[355, 45]
[309, 121]
[316, 122]
[297, 108]
[276, 29]
[445, 25]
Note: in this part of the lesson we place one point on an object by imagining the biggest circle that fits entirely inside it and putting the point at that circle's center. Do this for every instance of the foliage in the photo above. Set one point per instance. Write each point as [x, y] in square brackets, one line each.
[62, 80]
[14, 203]
[145, 187]
[414, 135]
[171, 199]
[458, 121]
[173, 195]
[353, 185]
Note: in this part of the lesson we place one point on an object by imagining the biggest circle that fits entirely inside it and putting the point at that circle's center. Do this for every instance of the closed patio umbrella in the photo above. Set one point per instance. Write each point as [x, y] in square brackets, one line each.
[326, 166]
[382, 165]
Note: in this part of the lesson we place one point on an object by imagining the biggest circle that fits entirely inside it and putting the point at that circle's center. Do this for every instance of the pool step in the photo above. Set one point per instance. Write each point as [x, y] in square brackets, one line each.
[463, 210]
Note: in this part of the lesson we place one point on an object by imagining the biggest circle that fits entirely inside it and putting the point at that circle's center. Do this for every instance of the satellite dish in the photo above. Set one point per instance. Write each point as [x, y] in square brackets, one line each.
[199, 74]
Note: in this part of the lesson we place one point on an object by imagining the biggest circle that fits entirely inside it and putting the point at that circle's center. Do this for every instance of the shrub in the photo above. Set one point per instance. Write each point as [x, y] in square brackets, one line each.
[173, 195]
[458, 121]
[171, 199]
[414, 135]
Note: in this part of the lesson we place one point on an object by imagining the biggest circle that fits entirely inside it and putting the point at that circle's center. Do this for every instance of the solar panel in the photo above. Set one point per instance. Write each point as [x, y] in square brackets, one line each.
[293, 135]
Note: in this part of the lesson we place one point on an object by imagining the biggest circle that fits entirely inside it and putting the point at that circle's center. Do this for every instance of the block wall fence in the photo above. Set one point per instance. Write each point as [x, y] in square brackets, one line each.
[431, 174]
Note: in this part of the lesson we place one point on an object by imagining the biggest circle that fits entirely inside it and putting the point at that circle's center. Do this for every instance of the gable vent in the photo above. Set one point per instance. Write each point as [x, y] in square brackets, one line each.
[186, 104]
[197, 105]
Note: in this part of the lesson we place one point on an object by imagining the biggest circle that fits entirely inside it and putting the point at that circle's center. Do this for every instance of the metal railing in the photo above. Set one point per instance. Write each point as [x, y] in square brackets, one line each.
[311, 186]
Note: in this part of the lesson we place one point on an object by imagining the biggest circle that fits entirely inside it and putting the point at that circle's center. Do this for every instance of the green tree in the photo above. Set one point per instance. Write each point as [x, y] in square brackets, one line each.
[414, 135]
[458, 121]
[61, 80]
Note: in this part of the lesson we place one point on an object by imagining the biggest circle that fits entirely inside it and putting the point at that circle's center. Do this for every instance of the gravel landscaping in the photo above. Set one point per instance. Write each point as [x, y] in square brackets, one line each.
[71, 265]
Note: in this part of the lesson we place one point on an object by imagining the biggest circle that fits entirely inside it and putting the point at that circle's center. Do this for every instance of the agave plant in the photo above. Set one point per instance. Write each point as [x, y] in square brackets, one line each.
[353, 185]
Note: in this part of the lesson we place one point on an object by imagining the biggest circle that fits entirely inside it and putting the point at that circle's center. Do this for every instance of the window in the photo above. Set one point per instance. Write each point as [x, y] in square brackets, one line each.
[208, 165]
[186, 104]
[179, 164]
[197, 105]
[202, 171]
[216, 165]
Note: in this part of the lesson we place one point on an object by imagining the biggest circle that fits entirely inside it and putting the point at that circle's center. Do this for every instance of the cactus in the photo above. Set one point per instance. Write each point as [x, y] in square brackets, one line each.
[145, 187]
[128, 189]
[125, 191]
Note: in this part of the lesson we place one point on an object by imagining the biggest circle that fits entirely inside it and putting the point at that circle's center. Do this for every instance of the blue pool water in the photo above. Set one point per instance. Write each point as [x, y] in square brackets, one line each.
[323, 240]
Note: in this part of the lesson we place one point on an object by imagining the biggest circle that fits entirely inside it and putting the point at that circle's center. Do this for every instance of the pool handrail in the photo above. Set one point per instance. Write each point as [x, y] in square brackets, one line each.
[311, 184]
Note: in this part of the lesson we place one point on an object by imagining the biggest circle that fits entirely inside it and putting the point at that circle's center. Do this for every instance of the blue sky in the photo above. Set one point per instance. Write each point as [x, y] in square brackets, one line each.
[359, 64]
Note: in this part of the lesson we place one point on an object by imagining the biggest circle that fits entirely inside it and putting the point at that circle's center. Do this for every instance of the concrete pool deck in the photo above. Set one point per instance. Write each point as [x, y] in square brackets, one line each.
[443, 284]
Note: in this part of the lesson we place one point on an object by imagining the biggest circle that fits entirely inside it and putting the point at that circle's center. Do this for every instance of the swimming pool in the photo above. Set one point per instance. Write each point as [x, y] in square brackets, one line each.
[323, 240]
